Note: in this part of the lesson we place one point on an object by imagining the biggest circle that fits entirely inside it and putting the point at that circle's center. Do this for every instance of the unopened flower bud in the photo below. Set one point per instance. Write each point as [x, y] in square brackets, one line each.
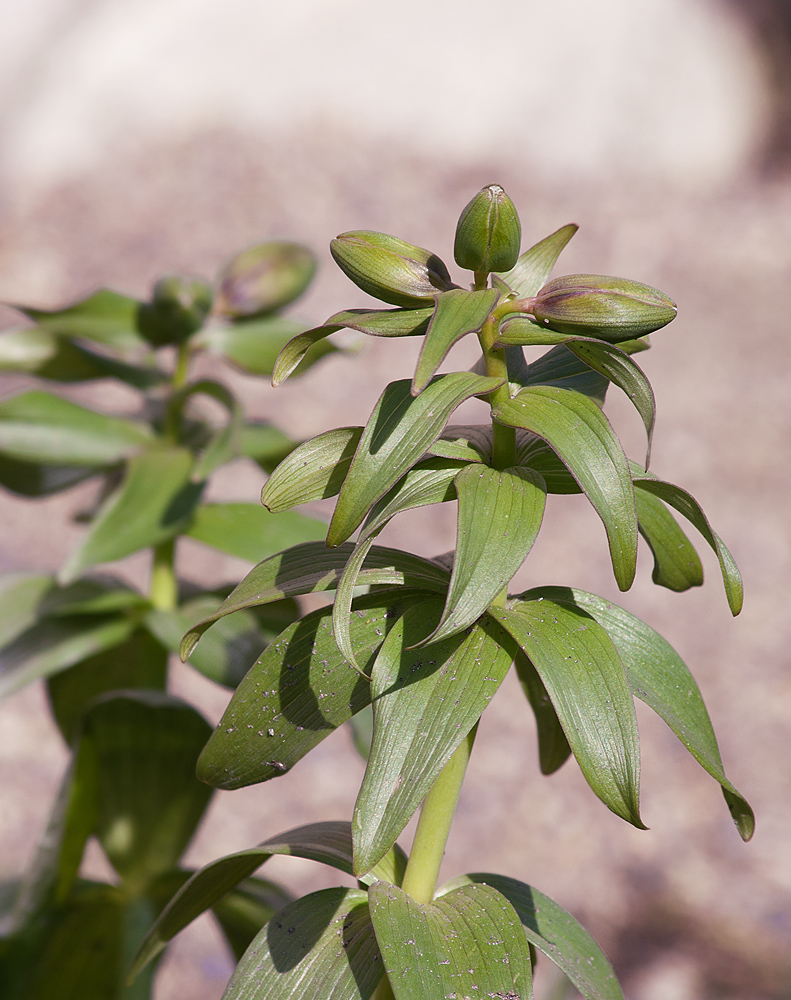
[488, 234]
[178, 307]
[264, 278]
[390, 269]
[596, 305]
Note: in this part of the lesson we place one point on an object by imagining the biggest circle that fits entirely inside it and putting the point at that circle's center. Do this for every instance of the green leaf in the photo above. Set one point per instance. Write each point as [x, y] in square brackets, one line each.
[458, 312]
[155, 501]
[92, 595]
[553, 747]
[223, 443]
[397, 434]
[53, 645]
[687, 505]
[264, 444]
[329, 843]
[20, 597]
[38, 427]
[560, 368]
[660, 678]
[26, 350]
[252, 345]
[554, 932]
[468, 943]
[244, 911]
[321, 946]
[518, 330]
[296, 351]
[314, 470]
[299, 691]
[140, 662]
[500, 515]
[150, 801]
[676, 563]
[32, 479]
[531, 271]
[577, 430]
[106, 317]
[425, 702]
[249, 531]
[583, 674]
[310, 568]
[464, 443]
[534, 453]
[385, 322]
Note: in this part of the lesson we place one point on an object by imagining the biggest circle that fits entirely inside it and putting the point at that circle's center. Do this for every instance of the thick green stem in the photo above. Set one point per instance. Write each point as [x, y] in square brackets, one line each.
[163, 591]
[503, 438]
[433, 827]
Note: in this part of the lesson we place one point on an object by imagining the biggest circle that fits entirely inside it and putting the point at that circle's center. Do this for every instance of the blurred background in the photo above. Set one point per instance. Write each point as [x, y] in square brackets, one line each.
[162, 135]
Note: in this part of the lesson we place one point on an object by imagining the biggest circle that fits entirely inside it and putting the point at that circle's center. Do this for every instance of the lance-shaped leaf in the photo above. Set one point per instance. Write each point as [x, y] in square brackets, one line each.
[500, 515]
[687, 505]
[244, 911]
[252, 345]
[458, 313]
[465, 443]
[106, 317]
[321, 946]
[385, 322]
[676, 563]
[553, 747]
[467, 943]
[53, 645]
[310, 568]
[577, 430]
[295, 351]
[559, 367]
[397, 434]
[519, 330]
[248, 531]
[38, 427]
[533, 452]
[329, 843]
[530, 272]
[21, 595]
[554, 932]
[427, 483]
[314, 470]
[299, 691]
[425, 702]
[660, 678]
[583, 674]
[92, 595]
[150, 802]
[155, 501]
[35, 479]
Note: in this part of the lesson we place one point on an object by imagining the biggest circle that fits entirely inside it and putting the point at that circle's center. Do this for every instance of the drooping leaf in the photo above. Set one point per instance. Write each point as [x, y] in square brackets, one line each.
[265, 444]
[34, 479]
[458, 313]
[660, 678]
[560, 368]
[329, 843]
[150, 802]
[464, 443]
[299, 691]
[106, 317]
[535, 265]
[385, 322]
[467, 943]
[252, 345]
[296, 350]
[321, 946]
[577, 430]
[314, 470]
[140, 662]
[554, 932]
[676, 563]
[155, 501]
[425, 702]
[311, 568]
[244, 910]
[53, 645]
[36, 426]
[583, 674]
[249, 531]
[687, 505]
[534, 453]
[500, 515]
[397, 434]
[553, 747]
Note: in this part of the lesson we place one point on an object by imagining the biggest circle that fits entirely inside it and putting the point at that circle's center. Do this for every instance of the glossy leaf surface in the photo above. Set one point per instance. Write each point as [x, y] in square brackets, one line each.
[583, 674]
[554, 932]
[676, 563]
[468, 943]
[397, 434]
[300, 690]
[314, 470]
[532, 269]
[249, 531]
[577, 430]
[425, 702]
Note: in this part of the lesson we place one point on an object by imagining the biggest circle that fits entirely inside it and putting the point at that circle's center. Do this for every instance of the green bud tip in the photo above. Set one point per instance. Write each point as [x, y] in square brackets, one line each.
[488, 233]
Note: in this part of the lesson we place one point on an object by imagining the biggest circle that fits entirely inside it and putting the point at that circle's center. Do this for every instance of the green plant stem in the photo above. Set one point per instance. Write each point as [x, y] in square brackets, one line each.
[181, 370]
[503, 438]
[163, 591]
[436, 816]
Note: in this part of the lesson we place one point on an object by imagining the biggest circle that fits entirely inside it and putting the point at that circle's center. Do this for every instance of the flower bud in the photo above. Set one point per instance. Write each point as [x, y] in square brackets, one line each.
[488, 234]
[264, 278]
[178, 307]
[390, 269]
[596, 305]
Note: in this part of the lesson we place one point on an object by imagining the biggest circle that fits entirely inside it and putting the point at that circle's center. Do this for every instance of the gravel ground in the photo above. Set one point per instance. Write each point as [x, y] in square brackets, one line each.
[685, 910]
